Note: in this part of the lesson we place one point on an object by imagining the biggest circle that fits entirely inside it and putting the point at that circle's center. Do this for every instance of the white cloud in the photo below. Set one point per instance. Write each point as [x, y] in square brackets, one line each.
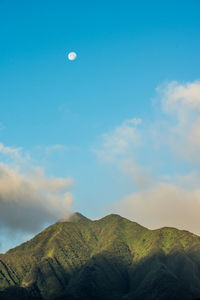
[177, 128]
[177, 97]
[181, 103]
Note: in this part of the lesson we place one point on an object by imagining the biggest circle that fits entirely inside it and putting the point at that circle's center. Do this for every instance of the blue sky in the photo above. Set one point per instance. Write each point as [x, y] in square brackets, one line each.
[67, 117]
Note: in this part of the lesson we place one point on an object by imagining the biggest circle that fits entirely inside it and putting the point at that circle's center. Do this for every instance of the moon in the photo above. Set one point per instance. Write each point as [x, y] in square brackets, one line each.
[72, 55]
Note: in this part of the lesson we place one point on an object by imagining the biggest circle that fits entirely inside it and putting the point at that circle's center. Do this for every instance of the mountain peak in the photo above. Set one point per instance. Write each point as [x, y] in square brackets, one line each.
[75, 218]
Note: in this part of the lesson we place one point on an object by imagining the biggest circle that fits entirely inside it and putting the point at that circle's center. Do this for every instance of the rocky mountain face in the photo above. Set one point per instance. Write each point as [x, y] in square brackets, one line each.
[111, 258]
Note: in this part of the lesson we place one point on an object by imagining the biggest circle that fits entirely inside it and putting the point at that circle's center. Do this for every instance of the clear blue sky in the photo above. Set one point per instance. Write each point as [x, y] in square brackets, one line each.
[125, 50]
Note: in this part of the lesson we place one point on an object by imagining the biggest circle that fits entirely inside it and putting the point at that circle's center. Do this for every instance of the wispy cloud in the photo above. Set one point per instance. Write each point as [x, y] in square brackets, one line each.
[15, 152]
[122, 140]
[118, 147]
[2, 126]
[56, 147]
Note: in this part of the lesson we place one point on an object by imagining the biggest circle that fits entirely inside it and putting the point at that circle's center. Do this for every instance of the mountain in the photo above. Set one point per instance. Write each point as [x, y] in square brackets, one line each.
[111, 258]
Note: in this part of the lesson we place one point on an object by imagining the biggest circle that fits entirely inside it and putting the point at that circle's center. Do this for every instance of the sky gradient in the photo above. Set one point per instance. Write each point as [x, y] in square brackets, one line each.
[116, 130]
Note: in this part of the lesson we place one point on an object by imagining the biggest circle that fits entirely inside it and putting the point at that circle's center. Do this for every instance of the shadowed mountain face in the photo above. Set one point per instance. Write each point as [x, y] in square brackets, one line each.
[112, 258]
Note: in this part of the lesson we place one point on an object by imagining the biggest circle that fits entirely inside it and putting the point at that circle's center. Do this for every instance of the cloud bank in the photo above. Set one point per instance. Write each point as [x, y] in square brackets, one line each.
[28, 198]
[164, 204]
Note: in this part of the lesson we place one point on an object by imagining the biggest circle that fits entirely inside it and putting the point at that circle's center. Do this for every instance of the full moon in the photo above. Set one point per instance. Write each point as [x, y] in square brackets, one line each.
[72, 55]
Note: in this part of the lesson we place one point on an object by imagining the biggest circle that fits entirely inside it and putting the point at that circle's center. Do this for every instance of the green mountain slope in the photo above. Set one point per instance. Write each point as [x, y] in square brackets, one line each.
[112, 258]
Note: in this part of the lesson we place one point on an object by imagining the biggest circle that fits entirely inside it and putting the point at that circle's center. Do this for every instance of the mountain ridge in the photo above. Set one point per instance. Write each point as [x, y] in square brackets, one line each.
[109, 258]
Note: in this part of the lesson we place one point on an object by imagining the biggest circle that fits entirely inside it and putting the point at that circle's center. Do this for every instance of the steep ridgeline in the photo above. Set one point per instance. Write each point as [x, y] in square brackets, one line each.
[112, 258]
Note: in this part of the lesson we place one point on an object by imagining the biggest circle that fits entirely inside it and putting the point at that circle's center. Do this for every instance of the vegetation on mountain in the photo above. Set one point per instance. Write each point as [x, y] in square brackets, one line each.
[111, 258]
